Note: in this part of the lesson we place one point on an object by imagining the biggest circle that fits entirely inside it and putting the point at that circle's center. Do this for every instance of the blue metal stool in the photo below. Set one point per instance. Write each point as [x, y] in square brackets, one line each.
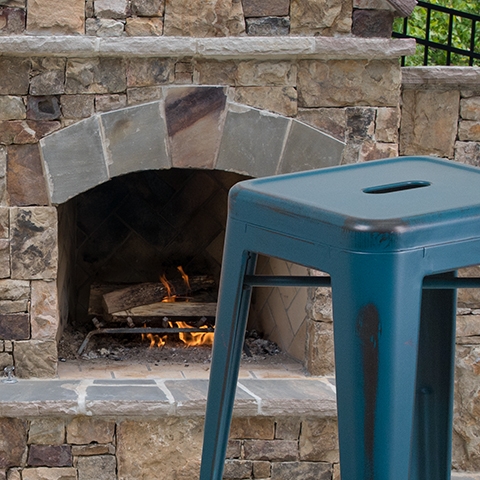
[378, 229]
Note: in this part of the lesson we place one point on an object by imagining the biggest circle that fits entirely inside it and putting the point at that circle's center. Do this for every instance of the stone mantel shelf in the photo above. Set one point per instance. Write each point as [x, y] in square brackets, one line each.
[216, 48]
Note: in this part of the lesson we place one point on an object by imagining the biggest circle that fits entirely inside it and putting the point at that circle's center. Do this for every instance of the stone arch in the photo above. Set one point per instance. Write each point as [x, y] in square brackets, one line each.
[189, 127]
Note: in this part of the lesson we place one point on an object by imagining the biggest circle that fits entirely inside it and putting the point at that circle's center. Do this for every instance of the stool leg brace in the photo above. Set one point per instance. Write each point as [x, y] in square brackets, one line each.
[394, 361]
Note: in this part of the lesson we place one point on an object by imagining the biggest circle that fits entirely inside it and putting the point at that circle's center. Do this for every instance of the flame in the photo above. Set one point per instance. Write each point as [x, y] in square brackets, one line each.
[170, 297]
[193, 339]
[156, 340]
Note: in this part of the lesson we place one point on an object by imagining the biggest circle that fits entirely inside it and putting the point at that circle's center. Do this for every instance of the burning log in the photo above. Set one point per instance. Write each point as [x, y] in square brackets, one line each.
[165, 309]
[152, 293]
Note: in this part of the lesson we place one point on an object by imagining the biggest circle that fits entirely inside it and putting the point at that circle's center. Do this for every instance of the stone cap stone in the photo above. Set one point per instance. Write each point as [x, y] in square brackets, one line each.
[416, 77]
[215, 48]
[312, 397]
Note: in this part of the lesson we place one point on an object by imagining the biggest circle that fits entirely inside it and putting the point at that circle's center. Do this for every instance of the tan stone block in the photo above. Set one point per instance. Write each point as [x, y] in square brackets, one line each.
[85, 430]
[468, 152]
[49, 16]
[111, 8]
[4, 260]
[470, 108]
[271, 450]
[147, 72]
[14, 296]
[204, 18]
[6, 360]
[4, 227]
[469, 297]
[99, 466]
[12, 108]
[255, 73]
[336, 471]
[319, 440]
[469, 130]
[287, 428]
[212, 72]
[13, 433]
[266, 8]
[15, 76]
[46, 431]
[338, 83]
[376, 151]
[248, 427]
[136, 96]
[44, 313]
[429, 122]
[282, 100]
[107, 103]
[144, 27]
[93, 449]
[14, 474]
[35, 358]
[387, 125]
[48, 76]
[262, 469]
[25, 131]
[329, 120]
[179, 440]
[148, 8]
[320, 17]
[34, 247]
[319, 348]
[46, 473]
[104, 27]
[77, 106]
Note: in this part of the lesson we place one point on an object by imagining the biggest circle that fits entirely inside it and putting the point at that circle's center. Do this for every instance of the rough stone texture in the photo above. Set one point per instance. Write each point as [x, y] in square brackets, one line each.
[48, 76]
[329, 120]
[469, 130]
[265, 8]
[287, 429]
[105, 27]
[14, 295]
[204, 18]
[262, 469]
[35, 358]
[12, 108]
[101, 75]
[4, 223]
[319, 440]
[470, 108]
[34, 243]
[4, 261]
[46, 431]
[77, 106]
[387, 125]
[15, 76]
[147, 72]
[469, 297]
[43, 108]
[25, 131]
[136, 96]
[101, 466]
[247, 427]
[44, 310]
[429, 122]
[50, 456]
[237, 469]
[303, 470]
[14, 326]
[45, 473]
[272, 450]
[47, 17]
[338, 83]
[26, 184]
[13, 435]
[12, 21]
[320, 17]
[371, 150]
[107, 103]
[320, 351]
[268, 26]
[148, 8]
[111, 8]
[372, 23]
[194, 119]
[140, 27]
[6, 360]
[468, 152]
[93, 449]
[85, 430]
[82, 145]
[139, 443]
[282, 100]
[360, 124]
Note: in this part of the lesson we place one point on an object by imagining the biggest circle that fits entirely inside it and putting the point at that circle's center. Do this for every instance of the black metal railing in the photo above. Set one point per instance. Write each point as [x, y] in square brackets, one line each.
[455, 51]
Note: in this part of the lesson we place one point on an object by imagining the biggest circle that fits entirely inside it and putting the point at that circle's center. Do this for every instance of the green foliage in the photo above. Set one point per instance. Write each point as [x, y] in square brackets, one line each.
[439, 23]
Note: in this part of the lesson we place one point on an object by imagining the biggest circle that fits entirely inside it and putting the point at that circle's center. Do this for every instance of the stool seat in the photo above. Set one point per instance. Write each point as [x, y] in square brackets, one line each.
[378, 228]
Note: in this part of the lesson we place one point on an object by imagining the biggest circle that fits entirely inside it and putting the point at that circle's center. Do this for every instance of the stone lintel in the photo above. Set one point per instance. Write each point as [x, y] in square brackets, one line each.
[215, 48]
[149, 397]
[441, 77]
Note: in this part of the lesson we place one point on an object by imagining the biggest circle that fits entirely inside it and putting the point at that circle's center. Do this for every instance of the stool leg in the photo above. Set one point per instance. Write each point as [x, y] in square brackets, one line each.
[432, 439]
[376, 306]
[232, 313]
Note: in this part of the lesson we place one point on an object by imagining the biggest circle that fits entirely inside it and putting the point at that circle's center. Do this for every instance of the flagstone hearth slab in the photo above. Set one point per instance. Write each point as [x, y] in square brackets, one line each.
[153, 397]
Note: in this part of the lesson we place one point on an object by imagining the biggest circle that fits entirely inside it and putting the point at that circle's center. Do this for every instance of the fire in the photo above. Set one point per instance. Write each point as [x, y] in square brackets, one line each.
[190, 339]
[193, 339]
